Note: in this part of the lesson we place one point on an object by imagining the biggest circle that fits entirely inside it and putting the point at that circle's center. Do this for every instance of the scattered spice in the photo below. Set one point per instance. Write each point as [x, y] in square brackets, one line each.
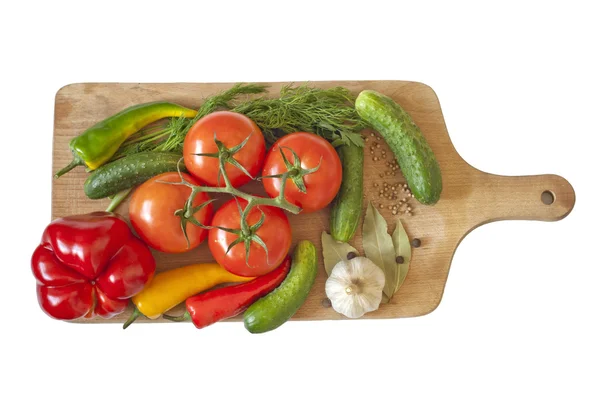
[416, 242]
[350, 255]
[326, 303]
[393, 191]
[400, 260]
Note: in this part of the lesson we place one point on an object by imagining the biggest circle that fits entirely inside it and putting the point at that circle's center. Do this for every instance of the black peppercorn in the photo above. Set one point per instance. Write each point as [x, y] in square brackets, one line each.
[350, 255]
[416, 242]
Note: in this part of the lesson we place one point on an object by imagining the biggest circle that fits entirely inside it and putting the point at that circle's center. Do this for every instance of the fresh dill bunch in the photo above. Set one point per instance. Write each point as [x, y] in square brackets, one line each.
[329, 113]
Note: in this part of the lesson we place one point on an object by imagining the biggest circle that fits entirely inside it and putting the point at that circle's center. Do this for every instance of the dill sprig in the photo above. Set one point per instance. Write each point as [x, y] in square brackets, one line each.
[329, 113]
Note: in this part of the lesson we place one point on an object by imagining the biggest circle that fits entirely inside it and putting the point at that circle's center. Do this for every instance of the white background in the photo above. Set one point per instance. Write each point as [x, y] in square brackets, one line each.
[519, 88]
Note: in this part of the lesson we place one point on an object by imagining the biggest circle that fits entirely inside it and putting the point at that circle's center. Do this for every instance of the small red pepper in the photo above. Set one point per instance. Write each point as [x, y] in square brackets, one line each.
[204, 309]
[89, 264]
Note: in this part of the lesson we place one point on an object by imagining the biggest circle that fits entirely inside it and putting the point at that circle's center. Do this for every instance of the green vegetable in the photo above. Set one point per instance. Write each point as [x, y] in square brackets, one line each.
[277, 307]
[415, 157]
[379, 247]
[128, 172]
[334, 251]
[96, 145]
[328, 113]
[403, 255]
[347, 206]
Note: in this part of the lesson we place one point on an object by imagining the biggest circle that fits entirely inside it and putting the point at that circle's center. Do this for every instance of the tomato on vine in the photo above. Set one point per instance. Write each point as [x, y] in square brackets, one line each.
[252, 248]
[157, 213]
[233, 135]
[314, 168]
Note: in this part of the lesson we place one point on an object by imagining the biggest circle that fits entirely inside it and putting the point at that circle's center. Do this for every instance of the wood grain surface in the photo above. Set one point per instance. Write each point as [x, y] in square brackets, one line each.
[469, 198]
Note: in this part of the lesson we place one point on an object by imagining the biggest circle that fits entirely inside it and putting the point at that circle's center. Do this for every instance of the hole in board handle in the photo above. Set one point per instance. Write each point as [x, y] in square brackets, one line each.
[548, 197]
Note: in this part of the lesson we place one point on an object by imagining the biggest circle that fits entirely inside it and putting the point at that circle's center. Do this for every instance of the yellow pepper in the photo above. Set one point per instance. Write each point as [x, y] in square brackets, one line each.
[169, 288]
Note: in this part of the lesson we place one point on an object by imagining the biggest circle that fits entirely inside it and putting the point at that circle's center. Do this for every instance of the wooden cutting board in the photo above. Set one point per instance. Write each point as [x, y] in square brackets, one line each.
[469, 199]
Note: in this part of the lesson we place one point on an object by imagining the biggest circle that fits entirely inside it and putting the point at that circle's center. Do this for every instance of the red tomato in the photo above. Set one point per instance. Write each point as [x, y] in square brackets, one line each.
[275, 232]
[152, 213]
[321, 186]
[231, 129]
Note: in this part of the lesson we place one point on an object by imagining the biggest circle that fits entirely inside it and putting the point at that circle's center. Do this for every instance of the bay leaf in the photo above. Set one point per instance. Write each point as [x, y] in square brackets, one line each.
[334, 251]
[384, 299]
[402, 248]
[379, 247]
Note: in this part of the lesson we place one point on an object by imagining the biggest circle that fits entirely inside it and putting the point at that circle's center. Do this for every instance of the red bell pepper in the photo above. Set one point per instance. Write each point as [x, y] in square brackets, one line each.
[89, 264]
[206, 308]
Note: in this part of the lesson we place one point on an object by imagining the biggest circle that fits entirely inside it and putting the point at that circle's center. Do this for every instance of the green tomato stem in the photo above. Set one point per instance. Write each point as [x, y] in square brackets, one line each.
[117, 199]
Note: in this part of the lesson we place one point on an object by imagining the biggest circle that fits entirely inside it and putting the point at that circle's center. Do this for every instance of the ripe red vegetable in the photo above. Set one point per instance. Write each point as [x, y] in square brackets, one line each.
[231, 129]
[154, 216]
[314, 166]
[209, 307]
[89, 264]
[275, 232]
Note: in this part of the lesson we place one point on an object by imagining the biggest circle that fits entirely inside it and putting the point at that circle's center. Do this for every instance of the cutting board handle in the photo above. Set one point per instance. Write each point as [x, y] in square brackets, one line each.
[545, 197]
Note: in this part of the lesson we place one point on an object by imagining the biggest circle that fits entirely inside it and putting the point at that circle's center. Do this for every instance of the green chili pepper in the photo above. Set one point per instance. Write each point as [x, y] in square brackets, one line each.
[97, 144]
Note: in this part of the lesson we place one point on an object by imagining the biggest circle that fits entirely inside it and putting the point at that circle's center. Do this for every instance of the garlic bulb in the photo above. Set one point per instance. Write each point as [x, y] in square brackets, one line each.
[355, 287]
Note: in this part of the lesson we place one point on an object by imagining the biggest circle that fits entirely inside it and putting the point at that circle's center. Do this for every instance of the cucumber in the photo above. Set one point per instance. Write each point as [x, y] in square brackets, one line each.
[129, 171]
[347, 206]
[414, 155]
[274, 309]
